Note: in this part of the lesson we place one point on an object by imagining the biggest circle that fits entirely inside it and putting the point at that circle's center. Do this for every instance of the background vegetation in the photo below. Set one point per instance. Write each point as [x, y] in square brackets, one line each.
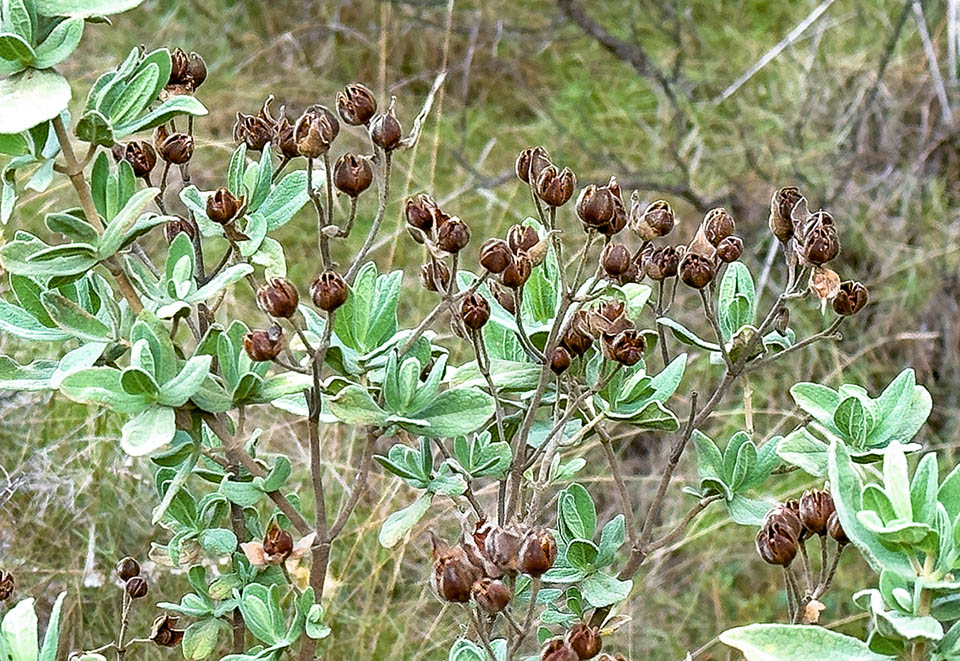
[850, 110]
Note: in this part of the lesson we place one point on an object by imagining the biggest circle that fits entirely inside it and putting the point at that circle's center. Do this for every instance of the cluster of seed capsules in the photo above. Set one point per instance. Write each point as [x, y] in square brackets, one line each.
[788, 525]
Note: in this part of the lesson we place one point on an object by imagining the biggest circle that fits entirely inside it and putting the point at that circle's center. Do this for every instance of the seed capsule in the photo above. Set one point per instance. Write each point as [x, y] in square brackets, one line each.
[530, 163]
[356, 104]
[178, 67]
[585, 641]
[627, 347]
[187, 72]
[517, 274]
[385, 130]
[850, 299]
[789, 515]
[559, 360]
[421, 212]
[782, 206]
[434, 276]
[329, 290]
[139, 154]
[615, 259]
[352, 174]
[495, 255]
[196, 71]
[491, 595]
[663, 262]
[7, 585]
[718, 224]
[557, 649]
[835, 530]
[278, 298]
[284, 139]
[577, 339]
[127, 568]
[537, 553]
[264, 345]
[696, 271]
[255, 131]
[277, 542]
[174, 227]
[504, 297]
[453, 235]
[164, 632]
[176, 148]
[223, 207]
[821, 243]
[521, 238]
[655, 220]
[776, 544]
[555, 187]
[601, 208]
[136, 587]
[475, 311]
[453, 573]
[730, 249]
[315, 131]
[815, 510]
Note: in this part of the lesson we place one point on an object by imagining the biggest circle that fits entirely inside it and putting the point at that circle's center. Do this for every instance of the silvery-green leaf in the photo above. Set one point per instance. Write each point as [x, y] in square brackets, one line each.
[37, 375]
[398, 523]
[149, 431]
[84, 8]
[795, 642]
[60, 43]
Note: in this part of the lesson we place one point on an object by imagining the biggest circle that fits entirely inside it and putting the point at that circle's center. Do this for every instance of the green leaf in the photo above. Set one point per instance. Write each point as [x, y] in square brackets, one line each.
[577, 513]
[137, 381]
[314, 625]
[923, 490]
[18, 322]
[398, 523]
[601, 589]
[101, 385]
[35, 376]
[454, 412]
[896, 481]
[123, 222]
[73, 319]
[736, 299]
[31, 97]
[794, 642]
[17, 18]
[802, 449]
[61, 42]
[178, 105]
[84, 8]
[582, 554]
[685, 335]
[817, 400]
[15, 48]
[95, 128]
[51, 638]
[854, 420]
[355, 406]
[18, 632]
[611, 539]
[186, 383]
[218, 540]
[200, 639]
[746, 511]
[149, 431]
[261, 614]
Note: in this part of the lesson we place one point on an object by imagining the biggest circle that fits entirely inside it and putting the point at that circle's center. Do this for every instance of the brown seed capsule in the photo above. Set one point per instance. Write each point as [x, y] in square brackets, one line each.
[627, 347]
[453, 573]
[655, 220]
[136, 587]
[537, 553]
[434, 276]
[782, 205]
[495, 255]
[663, 262]
[718, 224]
[776, 544]
[223, 207]
[517, 274]
[585, 641]
[283, 138]
[530, 163]
[730, 249]
[835, 530]
[127, 568]
[453, 235]
[696, 270]
[139, 154]
[421, 212]
[557, 649]
[176, 148]
[850, 299]
[7, 585]
[560, 360]
[164, 632]
[277, 542]
[475, 311]
[315, 131]
[601, 208]
[278, 298]
[615, 259]
[196, 71]
[501, 546]
[178, 67]
[788, 514]
[815, 510]
[264, 345]
[329, 290]
[820, 243]
[504, 297]
[255, 131]
[491, 595]
[555, 187]
[577, 340]
[522, 238]
[352, 174]
[385, 130]
[356, 104]
[174, 227]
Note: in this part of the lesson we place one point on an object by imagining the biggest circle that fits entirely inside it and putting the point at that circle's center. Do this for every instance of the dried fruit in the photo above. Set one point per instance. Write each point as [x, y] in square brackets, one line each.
[585, 640]
[453, 573]
[557, 649]
[385, 130]
[329, 290]
[277, 544]
[663, 262]
[554, 186]
[782, 206]
[696, 270]
[278, 298]
[176, 148]
[850, 298]
[316, 129]
[615, 259]
[835, 530]
[164, 632]
[7, 585]
[530, 163]
[820, 243]
[601, 208]
[475, 311]
[730, 249]
[815, 510]
[537, 553]
[491, 595]
[517, 274]
[352, 174]
[560, 360]
[453, 235]
[139, 154]
[522, 238]
[223, 207]
[718, 224]
[434, 276]
[136, 587]
[127, 568]
[655, 220]
[356, 104]
[264, 345]
[495, 255]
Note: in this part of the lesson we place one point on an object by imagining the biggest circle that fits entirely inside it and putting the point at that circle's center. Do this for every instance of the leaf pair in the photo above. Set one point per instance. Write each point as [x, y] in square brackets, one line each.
[740, 468]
